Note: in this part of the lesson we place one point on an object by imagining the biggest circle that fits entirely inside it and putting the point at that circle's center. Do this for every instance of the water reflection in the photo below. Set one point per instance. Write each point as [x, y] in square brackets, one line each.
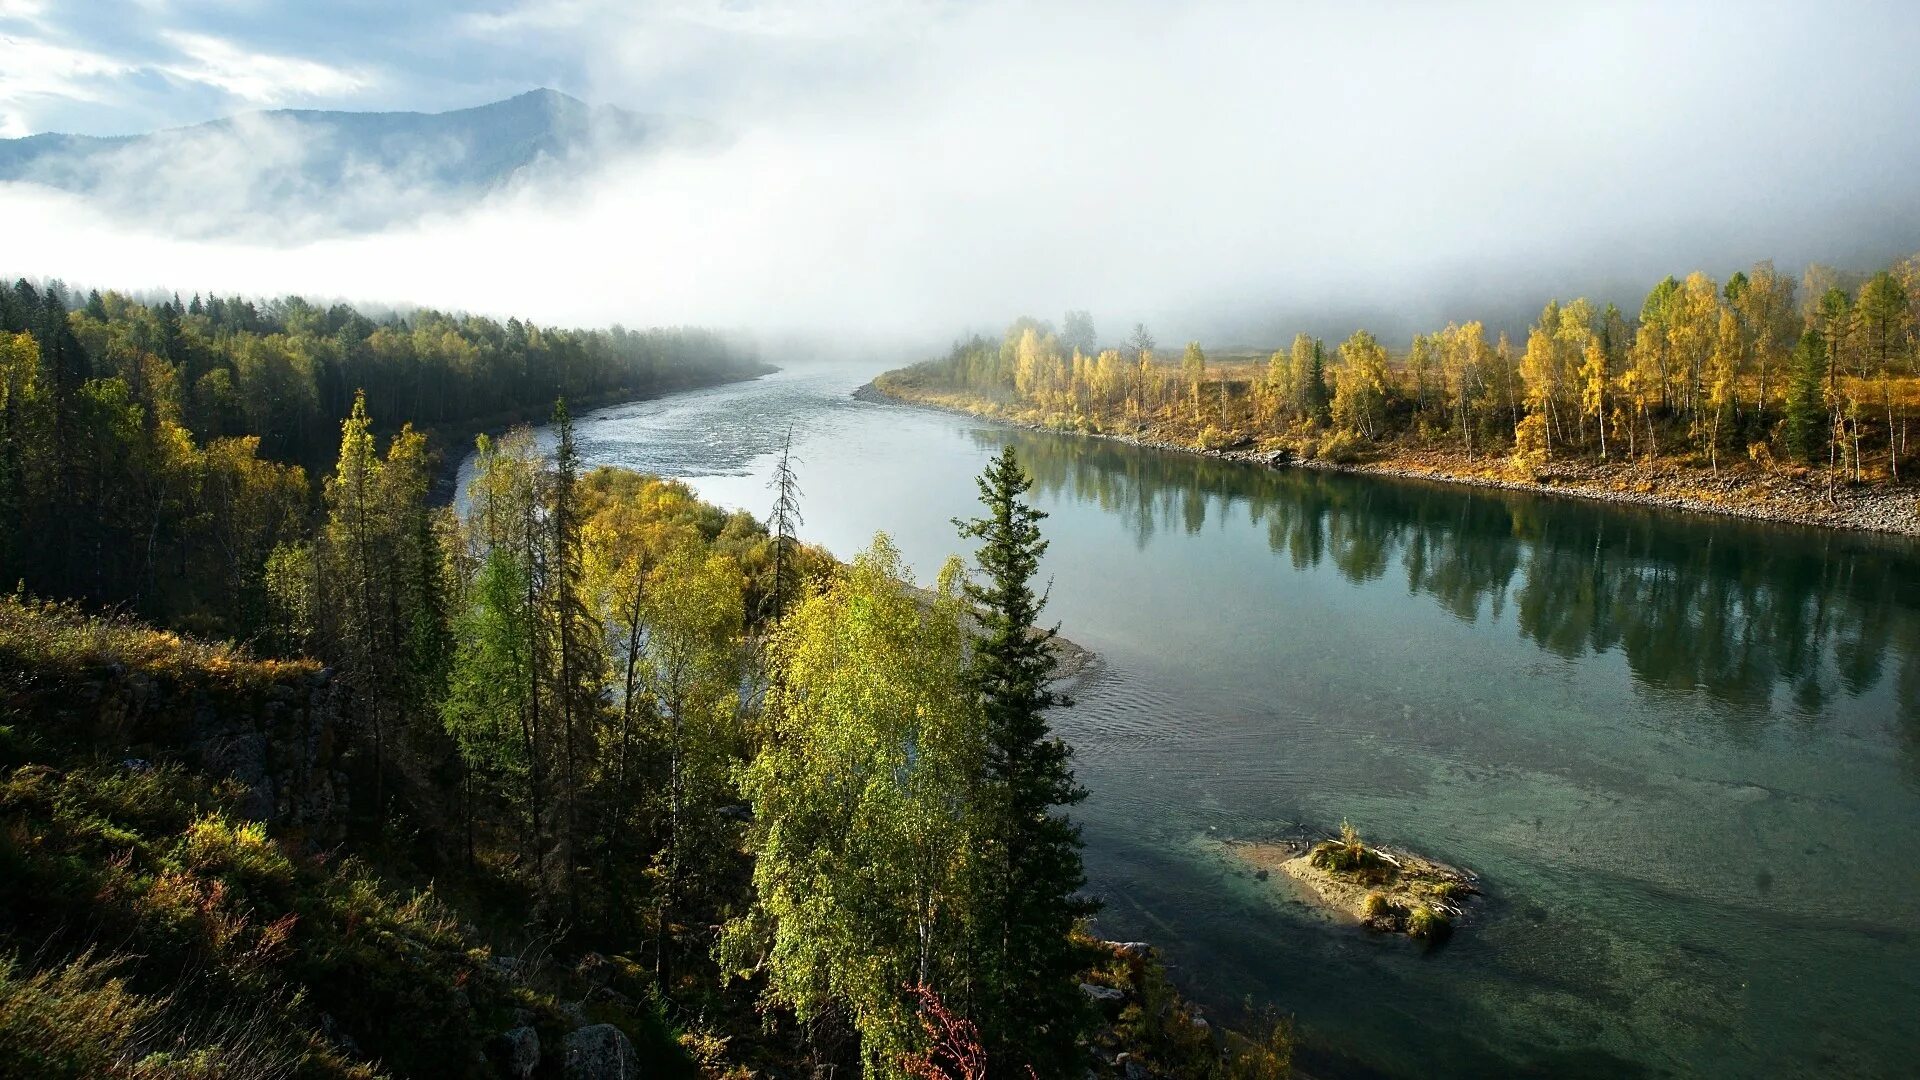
[1757, 619]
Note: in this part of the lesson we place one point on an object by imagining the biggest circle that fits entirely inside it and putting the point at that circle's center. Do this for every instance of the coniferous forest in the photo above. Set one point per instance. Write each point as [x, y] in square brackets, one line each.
[156, 455]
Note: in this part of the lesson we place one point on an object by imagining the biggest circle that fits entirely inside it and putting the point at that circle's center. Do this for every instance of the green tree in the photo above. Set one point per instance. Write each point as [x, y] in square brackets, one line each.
[865, 808]
[489, 686]
[1805, 431]
[1029, 1006]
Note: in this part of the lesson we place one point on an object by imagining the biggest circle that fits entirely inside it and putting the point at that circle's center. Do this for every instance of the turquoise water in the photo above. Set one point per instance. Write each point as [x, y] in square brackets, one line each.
[1683, 752]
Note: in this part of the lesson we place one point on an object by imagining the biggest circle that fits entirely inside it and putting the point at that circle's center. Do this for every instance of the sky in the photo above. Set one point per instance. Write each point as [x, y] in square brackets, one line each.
[912, 169]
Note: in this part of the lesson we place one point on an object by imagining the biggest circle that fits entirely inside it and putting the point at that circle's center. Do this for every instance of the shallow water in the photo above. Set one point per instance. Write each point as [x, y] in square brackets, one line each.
[1683, 752]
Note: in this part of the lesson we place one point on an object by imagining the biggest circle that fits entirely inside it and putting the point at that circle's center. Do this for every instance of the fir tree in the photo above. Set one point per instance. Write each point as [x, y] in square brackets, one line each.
[1806, 422]
[1028, 1000]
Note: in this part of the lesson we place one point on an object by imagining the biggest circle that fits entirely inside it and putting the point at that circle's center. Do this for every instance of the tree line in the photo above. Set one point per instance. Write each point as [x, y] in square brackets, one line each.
[153, 455]
[1821, 371]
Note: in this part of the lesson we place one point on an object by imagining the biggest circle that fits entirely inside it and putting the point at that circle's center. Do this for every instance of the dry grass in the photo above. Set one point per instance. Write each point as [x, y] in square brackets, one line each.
[52, 638]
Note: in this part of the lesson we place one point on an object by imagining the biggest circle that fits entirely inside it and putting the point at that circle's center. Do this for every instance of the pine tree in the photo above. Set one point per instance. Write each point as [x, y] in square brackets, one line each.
[1028, 1003]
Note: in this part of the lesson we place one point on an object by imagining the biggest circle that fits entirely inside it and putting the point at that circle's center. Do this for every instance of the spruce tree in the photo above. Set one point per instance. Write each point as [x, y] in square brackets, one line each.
[1028, 1002]
[1806, 422]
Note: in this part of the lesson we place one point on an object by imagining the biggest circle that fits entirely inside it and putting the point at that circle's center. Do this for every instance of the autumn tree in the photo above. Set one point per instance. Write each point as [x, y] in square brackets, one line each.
[1193, 371]
[1360, 385]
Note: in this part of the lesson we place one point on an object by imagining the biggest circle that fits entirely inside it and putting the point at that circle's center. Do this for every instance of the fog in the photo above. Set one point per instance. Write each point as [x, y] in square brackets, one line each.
[1232, 172]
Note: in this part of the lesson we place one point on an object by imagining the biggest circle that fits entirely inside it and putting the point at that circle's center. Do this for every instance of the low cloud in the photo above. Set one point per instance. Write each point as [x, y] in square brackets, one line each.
[1231, 171]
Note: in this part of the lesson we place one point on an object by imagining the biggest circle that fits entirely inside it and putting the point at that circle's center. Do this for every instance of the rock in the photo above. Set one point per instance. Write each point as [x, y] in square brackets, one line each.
[574, 1014]
[594, 969]
[1132, 948]
[601, 1052]
[1102, 993]
[340, 1040]
[1131, 1068]
[517, 1052]
[1259, 875]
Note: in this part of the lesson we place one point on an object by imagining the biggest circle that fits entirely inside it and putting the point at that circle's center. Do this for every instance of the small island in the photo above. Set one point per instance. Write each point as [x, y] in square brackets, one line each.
[1390, 891]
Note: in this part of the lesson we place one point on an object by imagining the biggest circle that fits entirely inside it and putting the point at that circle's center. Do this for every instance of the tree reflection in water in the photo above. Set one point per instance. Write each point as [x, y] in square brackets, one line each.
[1761, 619]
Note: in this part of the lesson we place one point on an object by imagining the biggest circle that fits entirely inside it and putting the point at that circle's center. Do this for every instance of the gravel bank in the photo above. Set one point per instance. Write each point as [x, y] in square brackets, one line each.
[1737, 492]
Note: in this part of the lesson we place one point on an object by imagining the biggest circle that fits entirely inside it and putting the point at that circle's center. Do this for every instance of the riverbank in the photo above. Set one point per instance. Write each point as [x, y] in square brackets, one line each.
[1743, 490]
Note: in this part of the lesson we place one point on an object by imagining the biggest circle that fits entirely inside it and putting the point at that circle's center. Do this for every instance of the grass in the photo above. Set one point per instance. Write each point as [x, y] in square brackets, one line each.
[54, 640]
[1428, 923]
[1349, 856]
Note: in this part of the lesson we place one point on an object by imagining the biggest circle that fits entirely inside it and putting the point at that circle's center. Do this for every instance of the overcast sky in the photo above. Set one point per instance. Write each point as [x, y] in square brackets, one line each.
[915, 167]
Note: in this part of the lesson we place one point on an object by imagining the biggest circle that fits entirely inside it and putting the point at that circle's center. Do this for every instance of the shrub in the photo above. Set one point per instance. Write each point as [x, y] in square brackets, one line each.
[1347, 854]
[76, 1020]
[1428, 923]
[239, 851]
[1375, 905]
[1342, 448]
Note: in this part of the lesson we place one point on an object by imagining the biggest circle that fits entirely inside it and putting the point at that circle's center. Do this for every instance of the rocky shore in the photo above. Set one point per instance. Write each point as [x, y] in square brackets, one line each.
[1747, 491]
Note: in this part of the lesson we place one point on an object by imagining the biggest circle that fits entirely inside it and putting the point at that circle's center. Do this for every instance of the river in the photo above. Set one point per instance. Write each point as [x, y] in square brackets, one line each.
[1683, 752]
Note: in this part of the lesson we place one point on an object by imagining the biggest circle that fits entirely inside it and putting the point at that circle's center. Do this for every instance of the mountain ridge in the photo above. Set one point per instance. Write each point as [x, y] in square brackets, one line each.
[356, 170]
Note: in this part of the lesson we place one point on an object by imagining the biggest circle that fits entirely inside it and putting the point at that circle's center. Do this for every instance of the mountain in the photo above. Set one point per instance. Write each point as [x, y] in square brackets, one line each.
[330, 171]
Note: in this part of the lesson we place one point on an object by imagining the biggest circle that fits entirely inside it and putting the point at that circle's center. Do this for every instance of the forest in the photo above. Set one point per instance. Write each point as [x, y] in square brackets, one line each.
[1761, 370]
[155, 455]
[319, 778]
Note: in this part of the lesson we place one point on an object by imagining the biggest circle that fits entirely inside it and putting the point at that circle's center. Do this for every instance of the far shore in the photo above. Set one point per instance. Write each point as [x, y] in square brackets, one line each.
[1741, 492]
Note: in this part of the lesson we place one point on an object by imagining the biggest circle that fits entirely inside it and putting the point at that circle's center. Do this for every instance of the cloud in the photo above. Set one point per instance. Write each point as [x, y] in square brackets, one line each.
[1232, 170]
[39, 69]
[254, 77]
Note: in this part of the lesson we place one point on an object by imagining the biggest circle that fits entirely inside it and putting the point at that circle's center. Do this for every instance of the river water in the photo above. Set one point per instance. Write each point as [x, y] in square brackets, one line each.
[1682, 752]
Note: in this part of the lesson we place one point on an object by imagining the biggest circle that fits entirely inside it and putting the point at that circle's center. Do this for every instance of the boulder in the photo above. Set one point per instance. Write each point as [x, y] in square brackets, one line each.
[1102, 993]
[601, 1052]
[518, 1052]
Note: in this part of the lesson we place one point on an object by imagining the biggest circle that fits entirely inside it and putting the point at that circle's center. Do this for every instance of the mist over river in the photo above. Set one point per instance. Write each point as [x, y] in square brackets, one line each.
[1682, 752]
